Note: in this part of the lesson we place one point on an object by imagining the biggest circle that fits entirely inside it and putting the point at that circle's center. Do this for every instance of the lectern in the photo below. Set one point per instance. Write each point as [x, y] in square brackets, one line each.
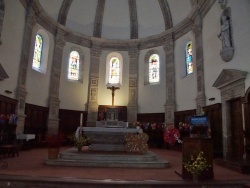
[193, 146]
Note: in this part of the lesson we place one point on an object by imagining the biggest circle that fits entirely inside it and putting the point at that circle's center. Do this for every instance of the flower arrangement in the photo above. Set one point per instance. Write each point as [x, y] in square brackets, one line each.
[198, 165]
[79, 139]
[11, 119]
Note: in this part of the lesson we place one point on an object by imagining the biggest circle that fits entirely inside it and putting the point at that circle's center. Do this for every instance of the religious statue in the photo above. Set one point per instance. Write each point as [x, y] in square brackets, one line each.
[225, 32]
[223, 4]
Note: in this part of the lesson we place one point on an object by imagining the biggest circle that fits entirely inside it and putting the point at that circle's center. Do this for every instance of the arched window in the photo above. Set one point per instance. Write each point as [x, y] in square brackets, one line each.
[37, 57]
[154, 69]
[74, 65]
[114, 71]
[189, 58]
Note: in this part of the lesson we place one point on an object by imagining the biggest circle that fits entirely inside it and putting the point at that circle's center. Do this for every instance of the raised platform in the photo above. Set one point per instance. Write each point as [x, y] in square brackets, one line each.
[72, 157]
[242, 166]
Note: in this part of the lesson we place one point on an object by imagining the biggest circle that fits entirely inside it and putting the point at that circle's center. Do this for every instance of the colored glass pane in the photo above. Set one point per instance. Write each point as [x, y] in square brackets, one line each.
[189, 58]
[37, 52]
[73, 71]
[154, 68]
[114, 70]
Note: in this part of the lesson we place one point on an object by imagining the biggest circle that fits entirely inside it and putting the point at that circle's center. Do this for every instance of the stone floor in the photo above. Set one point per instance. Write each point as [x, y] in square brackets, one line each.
[28, 169]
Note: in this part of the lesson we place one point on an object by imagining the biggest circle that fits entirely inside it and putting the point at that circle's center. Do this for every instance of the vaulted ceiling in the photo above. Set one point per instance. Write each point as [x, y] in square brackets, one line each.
[118, 19]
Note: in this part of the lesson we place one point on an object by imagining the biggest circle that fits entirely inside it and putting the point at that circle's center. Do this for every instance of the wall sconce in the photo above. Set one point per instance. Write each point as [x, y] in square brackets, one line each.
[8, 91]
[211, 99]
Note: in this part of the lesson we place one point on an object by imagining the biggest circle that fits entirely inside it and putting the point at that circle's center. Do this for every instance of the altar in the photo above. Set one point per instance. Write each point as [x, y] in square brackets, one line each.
[108, 139]
[112, 124]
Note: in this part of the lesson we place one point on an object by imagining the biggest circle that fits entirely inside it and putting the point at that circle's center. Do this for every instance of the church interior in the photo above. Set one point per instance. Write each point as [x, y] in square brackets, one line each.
[173, 74]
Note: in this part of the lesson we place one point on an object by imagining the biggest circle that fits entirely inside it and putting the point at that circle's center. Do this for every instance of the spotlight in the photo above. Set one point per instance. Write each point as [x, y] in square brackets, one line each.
[8, 91]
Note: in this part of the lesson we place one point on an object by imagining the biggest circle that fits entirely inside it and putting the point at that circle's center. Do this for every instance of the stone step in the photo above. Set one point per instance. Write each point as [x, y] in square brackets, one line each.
[71, 157]
[73, 154]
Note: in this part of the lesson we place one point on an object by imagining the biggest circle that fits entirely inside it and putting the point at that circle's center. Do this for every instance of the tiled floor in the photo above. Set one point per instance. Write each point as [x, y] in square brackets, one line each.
[31, 163]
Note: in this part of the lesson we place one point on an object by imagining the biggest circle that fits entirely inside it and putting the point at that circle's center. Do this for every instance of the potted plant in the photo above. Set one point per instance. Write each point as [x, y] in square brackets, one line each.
[197, 166]
[80, 140]
[54, 144]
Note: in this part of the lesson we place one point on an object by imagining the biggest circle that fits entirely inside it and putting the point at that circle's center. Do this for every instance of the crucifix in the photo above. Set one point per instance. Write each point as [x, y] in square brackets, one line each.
[113, 88]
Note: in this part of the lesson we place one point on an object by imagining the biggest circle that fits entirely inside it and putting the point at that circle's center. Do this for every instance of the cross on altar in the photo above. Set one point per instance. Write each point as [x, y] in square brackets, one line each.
[113, 88]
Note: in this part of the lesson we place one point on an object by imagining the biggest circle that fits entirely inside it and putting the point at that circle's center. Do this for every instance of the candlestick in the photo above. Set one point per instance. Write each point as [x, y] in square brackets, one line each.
[81, 120]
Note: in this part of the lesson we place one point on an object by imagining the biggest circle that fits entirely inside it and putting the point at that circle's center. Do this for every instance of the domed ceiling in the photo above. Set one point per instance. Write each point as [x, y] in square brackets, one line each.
[118, 19]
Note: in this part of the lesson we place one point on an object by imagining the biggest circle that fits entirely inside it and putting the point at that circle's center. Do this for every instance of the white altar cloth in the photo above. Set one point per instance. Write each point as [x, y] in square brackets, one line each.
[26, 137]
[112, 129]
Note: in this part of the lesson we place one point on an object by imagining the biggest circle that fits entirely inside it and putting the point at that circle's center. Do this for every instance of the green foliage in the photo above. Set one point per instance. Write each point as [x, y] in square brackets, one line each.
[81, 140]
[198, 165]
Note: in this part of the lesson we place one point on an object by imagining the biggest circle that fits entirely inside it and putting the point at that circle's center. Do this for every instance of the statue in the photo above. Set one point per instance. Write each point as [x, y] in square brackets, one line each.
[225, 32]
[225, 36]
[223, 4]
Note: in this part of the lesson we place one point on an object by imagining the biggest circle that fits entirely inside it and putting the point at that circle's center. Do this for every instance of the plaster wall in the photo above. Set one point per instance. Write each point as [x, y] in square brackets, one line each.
[121, 95]
[186, 85]
[213, 64]
[81, 18]
[116, 21]
[152, 97]
[150, 19]
[51, 7]
[10, 49]
[73, 94]
[179, 10]
[38, 83]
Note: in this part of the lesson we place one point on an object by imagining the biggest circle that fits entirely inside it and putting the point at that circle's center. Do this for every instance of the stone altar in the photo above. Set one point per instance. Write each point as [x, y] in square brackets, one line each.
[112, 124]
[108, 138]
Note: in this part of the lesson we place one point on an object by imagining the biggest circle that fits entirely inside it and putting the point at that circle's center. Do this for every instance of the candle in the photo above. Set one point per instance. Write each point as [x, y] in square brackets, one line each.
[81, 119]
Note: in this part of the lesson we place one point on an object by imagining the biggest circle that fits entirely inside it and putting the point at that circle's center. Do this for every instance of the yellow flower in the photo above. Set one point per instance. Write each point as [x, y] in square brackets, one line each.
[198, 165]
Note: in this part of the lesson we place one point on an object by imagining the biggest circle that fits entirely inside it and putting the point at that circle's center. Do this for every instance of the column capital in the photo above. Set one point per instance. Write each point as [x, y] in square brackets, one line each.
[31, 18]
[60, 41]
[96, 52]
[133, 53]
[196, 30]
[168, 45]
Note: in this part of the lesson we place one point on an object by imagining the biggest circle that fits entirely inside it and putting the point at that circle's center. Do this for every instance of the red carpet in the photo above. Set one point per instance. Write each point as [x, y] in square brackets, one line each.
[31, 163]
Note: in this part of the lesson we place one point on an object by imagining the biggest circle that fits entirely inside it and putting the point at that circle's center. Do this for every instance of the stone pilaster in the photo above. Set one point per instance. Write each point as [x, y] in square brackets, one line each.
[21, 85]
[133, 84]
[92, 105]
[2, 11]
[201, 97]
[54, 102]
[170, 82]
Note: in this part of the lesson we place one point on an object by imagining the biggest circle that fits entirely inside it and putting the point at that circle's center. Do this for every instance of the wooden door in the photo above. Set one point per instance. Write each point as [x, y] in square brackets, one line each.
[237, 129]
[214, 114]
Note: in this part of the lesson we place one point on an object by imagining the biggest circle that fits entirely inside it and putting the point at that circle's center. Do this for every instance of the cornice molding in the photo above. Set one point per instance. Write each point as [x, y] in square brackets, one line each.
[118, 44]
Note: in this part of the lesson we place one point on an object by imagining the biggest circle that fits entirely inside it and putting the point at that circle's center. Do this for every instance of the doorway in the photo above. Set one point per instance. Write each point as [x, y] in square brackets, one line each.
[237, 129]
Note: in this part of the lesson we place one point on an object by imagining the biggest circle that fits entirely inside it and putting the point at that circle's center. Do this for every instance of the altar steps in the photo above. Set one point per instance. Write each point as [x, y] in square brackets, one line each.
[72, 157]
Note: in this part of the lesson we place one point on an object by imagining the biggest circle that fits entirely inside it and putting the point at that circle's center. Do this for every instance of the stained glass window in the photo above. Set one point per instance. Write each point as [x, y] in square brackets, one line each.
[38, 52]
[154, 67]
[114, 70]
[189, 58]
[73, 71]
